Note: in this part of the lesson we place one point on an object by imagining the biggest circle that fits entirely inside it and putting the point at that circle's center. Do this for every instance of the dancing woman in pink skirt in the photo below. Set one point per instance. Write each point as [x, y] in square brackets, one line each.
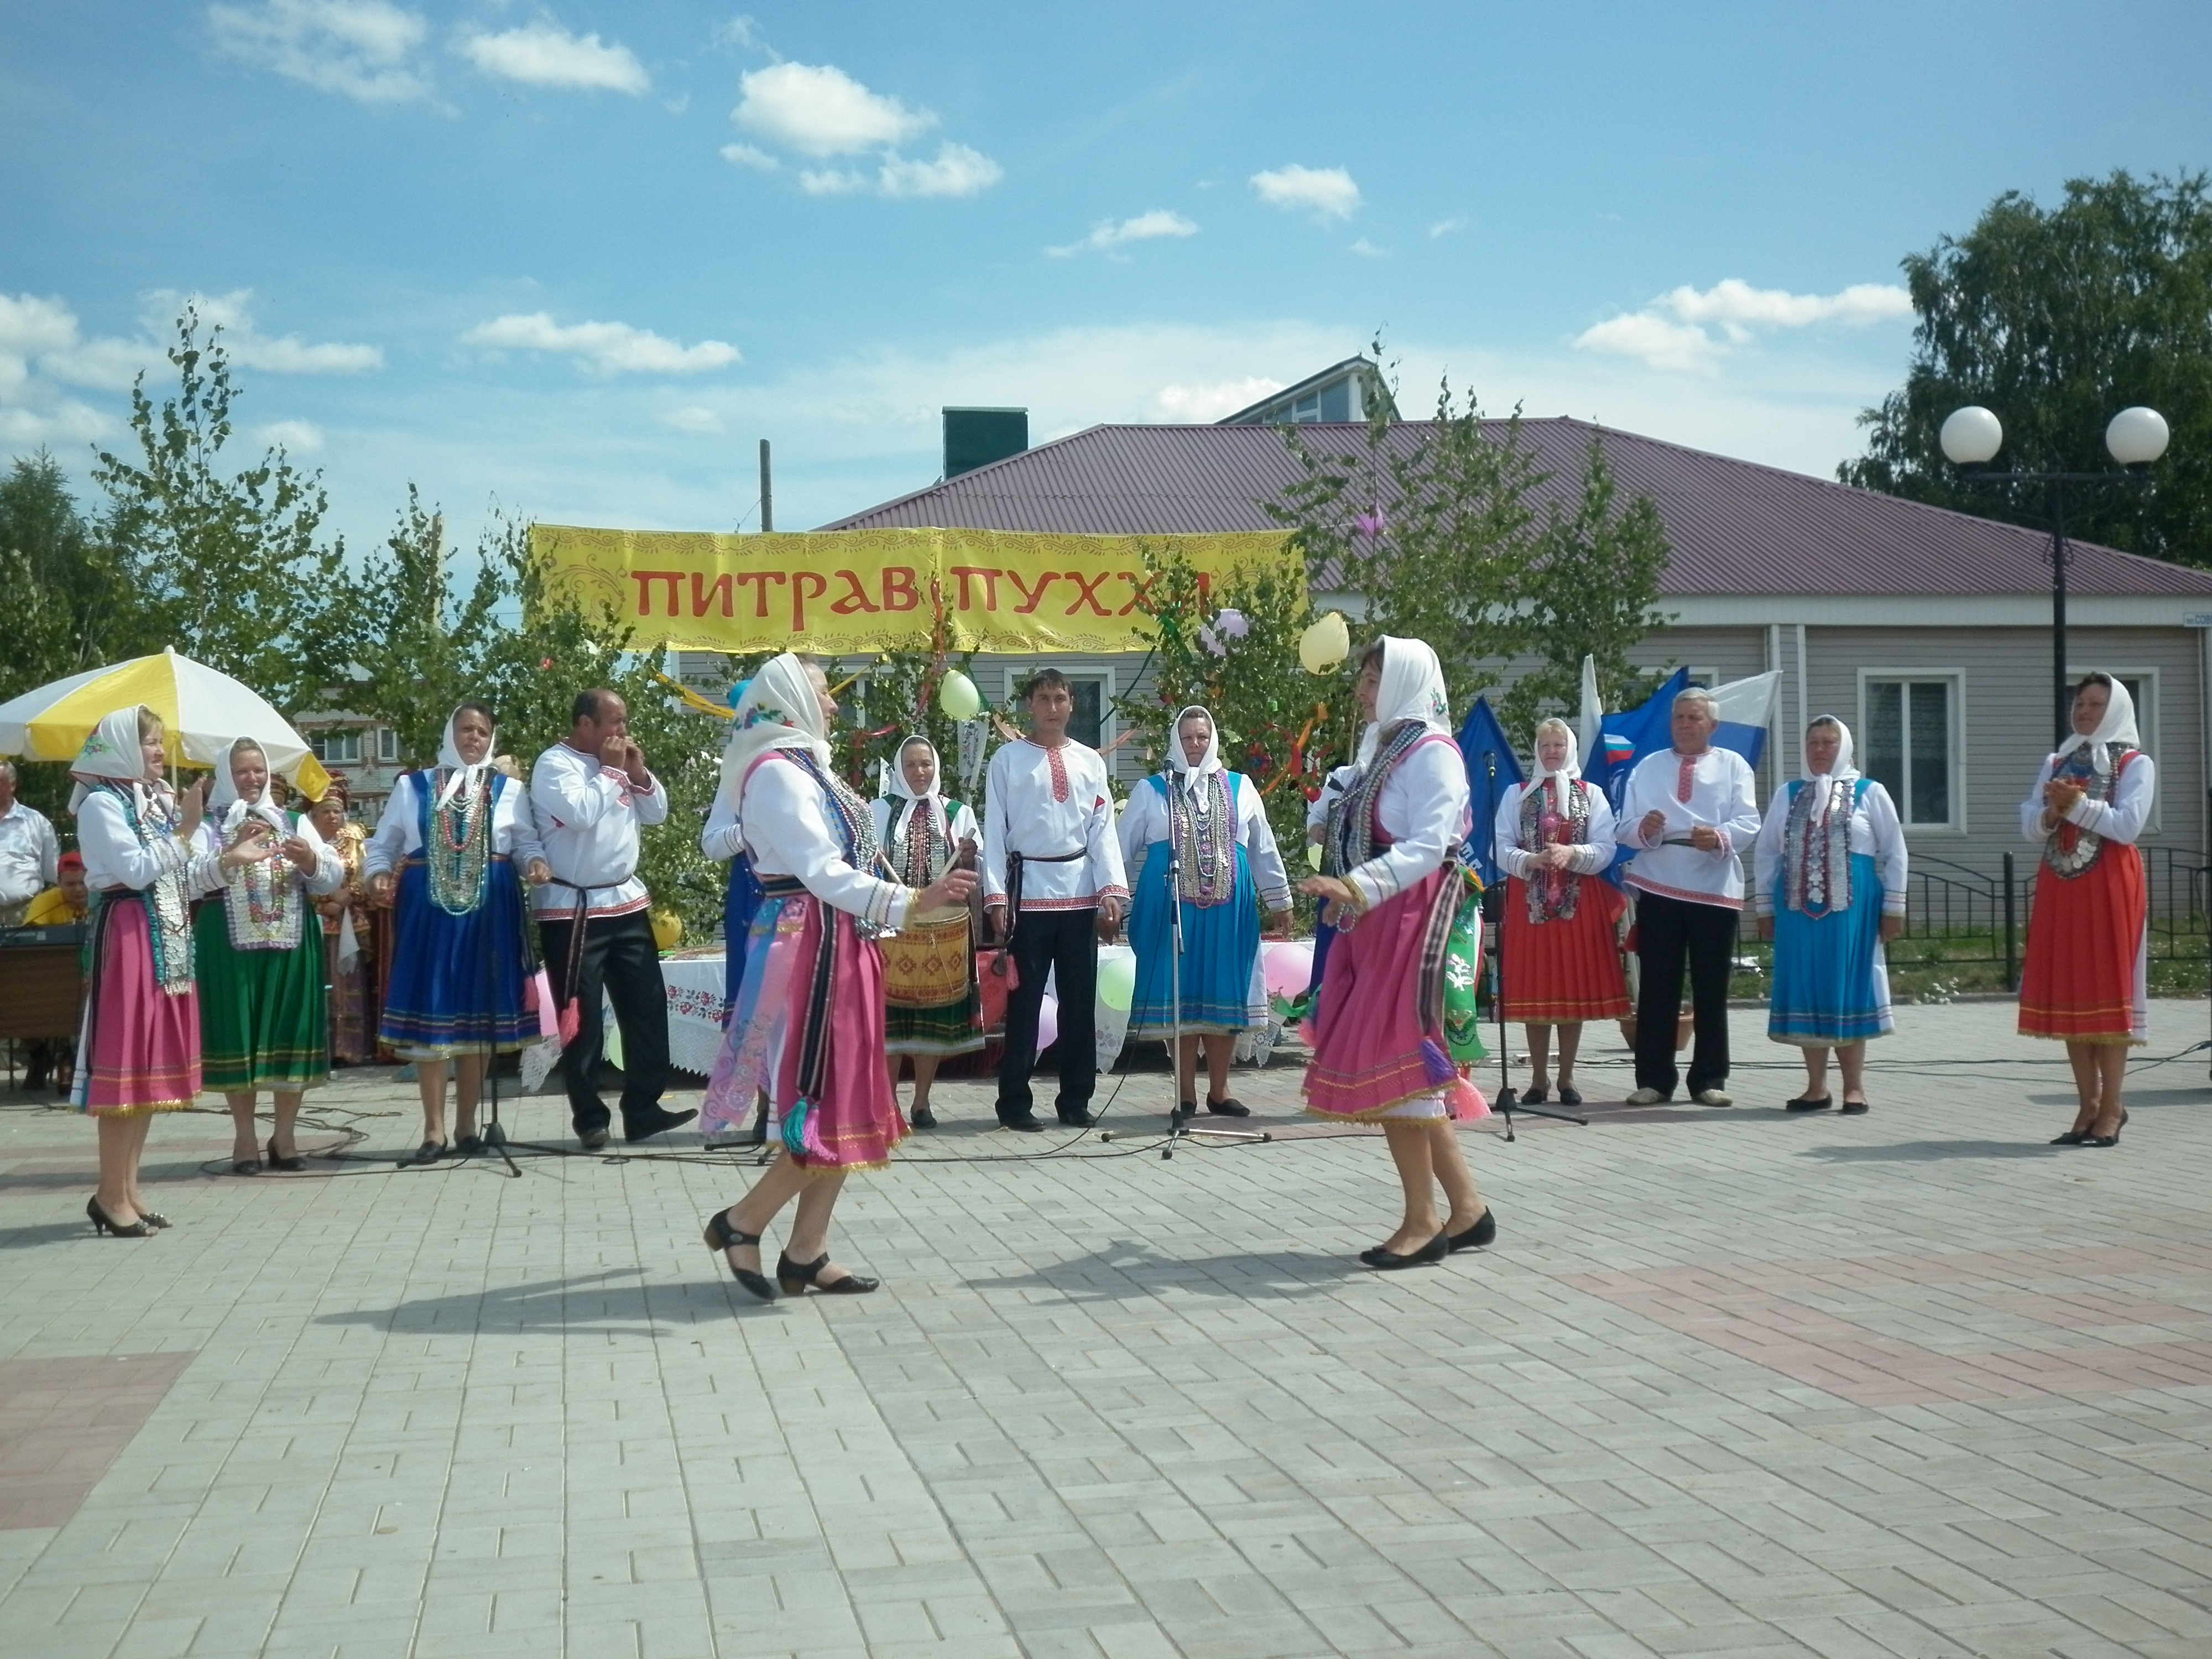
[1390, 877]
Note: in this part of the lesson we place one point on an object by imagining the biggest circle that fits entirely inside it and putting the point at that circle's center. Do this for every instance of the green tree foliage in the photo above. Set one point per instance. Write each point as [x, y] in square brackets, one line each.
[890, 699]
[2057, 318]
[232, 567]
[1279, 725]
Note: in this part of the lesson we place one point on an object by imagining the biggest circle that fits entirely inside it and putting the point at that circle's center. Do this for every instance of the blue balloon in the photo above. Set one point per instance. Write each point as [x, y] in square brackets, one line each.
[738, 692]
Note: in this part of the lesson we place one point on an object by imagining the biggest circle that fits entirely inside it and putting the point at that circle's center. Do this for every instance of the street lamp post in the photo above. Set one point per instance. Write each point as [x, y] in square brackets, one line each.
[2135, 437]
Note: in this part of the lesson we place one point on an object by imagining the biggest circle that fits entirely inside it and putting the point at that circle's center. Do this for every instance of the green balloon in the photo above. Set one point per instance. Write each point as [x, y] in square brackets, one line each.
[1117, 982]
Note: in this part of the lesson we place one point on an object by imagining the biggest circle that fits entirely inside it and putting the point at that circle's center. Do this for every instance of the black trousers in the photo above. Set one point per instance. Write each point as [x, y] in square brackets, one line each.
[620, 956]
[1667, 930]
[1064, 943]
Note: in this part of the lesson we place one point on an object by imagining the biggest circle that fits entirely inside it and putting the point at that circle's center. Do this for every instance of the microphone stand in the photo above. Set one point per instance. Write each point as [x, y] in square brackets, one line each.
[1508, 1100]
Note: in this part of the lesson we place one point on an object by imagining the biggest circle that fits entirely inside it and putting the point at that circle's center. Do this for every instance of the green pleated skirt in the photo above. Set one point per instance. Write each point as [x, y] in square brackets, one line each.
[264, 1019]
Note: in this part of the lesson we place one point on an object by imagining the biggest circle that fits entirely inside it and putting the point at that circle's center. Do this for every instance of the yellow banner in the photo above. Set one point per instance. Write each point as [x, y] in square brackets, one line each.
[840, 591]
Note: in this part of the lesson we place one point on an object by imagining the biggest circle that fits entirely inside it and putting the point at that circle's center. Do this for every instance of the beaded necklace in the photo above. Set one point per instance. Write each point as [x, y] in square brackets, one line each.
[921, 840]
[168, 909]
[1553, 894]
[1816, 856]
[1206, 841]
[2069, 849]
[1349, 840]
[456, 849]
[262, 902]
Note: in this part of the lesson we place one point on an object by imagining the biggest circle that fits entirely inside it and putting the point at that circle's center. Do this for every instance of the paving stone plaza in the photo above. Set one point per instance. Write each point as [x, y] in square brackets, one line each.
[1730, 1382]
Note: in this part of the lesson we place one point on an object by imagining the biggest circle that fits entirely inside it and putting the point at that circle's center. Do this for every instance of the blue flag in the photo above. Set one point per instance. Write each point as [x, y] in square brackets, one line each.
[1492, 769]
[1626, 738]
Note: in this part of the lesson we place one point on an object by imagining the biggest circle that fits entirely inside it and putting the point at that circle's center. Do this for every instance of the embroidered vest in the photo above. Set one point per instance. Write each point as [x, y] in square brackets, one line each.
[1816, 846]
[2071, 850]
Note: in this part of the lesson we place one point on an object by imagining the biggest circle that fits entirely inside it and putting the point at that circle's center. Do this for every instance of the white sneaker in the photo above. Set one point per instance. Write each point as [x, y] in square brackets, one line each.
[1713, 1098]
[1647, 1097]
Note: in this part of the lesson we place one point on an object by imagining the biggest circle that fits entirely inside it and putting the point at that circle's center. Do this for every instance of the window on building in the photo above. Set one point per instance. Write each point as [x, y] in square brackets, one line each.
[387, 746]
[336, 748]
[1093, 704]
[1911, 749]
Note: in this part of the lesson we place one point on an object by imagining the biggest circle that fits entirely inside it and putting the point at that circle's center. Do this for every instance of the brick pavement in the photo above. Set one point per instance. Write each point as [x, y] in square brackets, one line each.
[1732, 1382]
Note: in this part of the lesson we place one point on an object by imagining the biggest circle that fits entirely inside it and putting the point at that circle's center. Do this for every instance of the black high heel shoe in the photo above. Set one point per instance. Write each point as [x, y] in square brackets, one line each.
[294, 1162]
[2111, 1140]
[103, 1224]
[797, 1276]
[1389, 1261]
[1484, 1231]
[722, 1237]
[153, 1218]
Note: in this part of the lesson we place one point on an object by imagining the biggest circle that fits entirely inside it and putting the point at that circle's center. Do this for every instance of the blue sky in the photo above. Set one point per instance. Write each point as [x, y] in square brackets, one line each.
[574, 260]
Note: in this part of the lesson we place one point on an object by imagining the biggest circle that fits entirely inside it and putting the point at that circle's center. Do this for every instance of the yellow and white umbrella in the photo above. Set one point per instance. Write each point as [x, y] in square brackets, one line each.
[203, 709]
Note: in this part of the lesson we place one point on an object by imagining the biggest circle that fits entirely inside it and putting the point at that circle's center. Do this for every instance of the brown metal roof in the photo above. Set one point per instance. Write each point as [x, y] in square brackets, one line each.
[1736, 526]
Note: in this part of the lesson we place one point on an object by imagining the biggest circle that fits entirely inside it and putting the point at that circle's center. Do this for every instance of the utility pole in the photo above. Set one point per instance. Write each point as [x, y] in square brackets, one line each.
[768, 492]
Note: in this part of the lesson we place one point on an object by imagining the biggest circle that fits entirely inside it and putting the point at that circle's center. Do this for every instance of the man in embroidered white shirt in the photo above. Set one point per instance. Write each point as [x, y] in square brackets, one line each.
[1686, 811]
[1052, 872]
[29, 854]
[591, 793]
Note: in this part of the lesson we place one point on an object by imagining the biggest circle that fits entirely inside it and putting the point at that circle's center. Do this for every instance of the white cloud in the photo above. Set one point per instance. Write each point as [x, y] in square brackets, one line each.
[1106, 235]
[1675, 331]
[1201, 404]
[831, 182]
[300, 437]
[957, 171]
[1445, 227]
[361, 48]
[1367, 250]
[1326, 192]
[819, 110]
[604, 348]
[542, 55]
[248, 347]
[30, 327]
[747, 155]
[740, 32]
[692, 418]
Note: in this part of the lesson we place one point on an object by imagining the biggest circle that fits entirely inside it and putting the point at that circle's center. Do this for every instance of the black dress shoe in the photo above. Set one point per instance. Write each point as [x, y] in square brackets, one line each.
[469, 1146]
[722, 1238]
[1803, 1105]
[924, 1118]
[659, 1123]
[1535, 1097]
[296, 1162]
[1570, 1097]
[428, 1152]
[1080, 1118]
[793, 1278]
[1389, 1261]
[1231, 1107]
[1024, 1125]
[1187, 1109]
[1484, 1231]
[1855, 1108]
[591, 1139]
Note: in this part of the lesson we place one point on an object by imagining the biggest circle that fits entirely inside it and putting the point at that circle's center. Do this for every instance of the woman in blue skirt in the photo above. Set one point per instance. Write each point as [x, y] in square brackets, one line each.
[1215, 825]
[1830, 888]
[460, 958]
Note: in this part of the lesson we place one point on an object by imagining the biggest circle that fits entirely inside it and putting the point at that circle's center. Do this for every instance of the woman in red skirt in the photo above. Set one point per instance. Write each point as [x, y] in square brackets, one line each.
[2083, 982]
[1561, 960]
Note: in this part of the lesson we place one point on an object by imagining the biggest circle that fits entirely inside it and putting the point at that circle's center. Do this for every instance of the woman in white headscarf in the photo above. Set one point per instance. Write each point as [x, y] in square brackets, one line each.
[138, 1047]
[930, 1006]
[450, 844]
[264, 1022]
[1560, 960]
[1829, 885]
[1390, 877]
[1210, 826]
[808, 1027]
[2083, 980]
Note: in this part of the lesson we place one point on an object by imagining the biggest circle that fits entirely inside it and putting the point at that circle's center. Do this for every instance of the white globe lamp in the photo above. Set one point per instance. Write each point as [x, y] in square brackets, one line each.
[1972, 436]
[2138, 436]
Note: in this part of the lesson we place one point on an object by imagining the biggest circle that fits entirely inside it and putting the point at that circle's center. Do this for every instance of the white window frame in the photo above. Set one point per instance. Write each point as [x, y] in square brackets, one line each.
[1959, 825]
[331, 734]
[2146, 723]
[387, 739]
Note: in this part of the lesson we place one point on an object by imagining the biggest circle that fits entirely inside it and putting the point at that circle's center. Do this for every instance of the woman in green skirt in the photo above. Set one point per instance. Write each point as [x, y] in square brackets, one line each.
[263, 1018]
[931, 1007]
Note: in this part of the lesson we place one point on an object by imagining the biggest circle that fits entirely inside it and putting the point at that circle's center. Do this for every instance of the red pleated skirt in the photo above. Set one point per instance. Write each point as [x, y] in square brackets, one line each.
[1564, 972]
[2083, 978]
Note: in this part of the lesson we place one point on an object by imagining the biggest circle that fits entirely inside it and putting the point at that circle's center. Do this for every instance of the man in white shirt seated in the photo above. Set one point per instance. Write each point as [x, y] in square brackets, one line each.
[591, 793]
[1687, 812]
[29, 854]
[1049, 842]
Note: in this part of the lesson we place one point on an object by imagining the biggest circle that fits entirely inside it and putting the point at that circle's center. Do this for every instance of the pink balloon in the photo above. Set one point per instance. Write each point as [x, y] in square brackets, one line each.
[1048, 1022]
[1286, 965]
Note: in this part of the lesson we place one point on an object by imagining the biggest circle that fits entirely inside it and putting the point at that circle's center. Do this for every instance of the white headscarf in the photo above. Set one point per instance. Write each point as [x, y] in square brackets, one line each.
[1568, 769]
[1187, 776]
[930, 802]
[463, 777]
[111, 750]
[1846, 765]
[779, 710]
[2117, 731]
[228, 810]
[1411, 688]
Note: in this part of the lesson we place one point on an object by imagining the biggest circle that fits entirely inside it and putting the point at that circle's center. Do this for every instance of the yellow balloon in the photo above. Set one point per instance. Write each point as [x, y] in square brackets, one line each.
[958, 698]
[1326, 644]
[667, 930]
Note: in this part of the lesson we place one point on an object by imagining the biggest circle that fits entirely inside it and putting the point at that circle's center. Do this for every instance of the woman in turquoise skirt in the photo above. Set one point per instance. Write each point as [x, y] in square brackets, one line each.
[265, 1021]
[1830, 871]
[1211, 823]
